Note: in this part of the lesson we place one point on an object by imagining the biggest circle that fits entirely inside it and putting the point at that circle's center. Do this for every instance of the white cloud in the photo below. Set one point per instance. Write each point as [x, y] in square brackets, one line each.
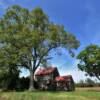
[77, 75]
[75, 72]
[24, 72]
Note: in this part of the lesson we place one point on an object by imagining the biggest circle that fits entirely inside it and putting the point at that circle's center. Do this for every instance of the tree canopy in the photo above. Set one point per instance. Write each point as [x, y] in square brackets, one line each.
[27, 37]
[90, 60]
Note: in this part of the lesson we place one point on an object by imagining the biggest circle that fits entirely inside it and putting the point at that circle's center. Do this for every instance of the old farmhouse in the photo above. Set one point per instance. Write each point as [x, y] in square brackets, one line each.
[50, 79]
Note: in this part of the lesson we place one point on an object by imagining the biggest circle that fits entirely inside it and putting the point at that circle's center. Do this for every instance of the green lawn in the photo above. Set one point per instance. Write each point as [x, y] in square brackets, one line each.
[40, 95]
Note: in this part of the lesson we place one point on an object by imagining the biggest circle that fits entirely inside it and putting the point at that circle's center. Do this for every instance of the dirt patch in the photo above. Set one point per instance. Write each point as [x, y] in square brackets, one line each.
[95, 89]
[3, 98]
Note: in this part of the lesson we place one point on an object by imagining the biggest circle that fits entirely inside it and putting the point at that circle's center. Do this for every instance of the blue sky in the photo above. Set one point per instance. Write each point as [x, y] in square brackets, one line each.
[80, 17]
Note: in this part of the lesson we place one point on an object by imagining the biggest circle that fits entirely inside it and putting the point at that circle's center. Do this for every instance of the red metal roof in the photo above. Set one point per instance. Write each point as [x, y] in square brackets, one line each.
[63, 78]
[46, 71]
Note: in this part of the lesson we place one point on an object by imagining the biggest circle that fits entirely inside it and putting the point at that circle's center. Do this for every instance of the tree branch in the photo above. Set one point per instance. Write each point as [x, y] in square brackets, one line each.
[42, 58]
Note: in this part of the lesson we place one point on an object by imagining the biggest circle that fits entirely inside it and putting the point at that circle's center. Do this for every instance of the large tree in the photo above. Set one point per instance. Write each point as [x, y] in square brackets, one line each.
[27, 37]
[90, 60]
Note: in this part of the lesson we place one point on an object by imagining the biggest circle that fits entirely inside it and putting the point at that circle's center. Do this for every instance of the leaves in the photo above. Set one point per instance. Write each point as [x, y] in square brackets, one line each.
[90, 60]
[29, 36]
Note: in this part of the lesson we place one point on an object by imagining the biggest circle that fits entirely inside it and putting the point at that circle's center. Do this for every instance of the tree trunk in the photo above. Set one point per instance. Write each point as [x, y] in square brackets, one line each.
[31, 84]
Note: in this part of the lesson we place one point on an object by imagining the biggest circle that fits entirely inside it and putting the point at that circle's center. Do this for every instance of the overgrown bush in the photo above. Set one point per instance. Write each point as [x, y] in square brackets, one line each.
[9, 78]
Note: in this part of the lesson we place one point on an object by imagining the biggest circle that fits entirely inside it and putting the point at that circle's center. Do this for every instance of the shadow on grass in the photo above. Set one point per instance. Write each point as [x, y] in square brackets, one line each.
[37, 91]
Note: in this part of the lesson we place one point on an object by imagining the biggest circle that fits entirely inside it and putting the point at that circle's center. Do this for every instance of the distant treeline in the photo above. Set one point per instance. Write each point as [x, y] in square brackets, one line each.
[87, 83]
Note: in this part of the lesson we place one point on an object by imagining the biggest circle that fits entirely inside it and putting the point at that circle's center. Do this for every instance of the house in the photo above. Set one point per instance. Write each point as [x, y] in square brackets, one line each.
[45, 78]
[50, 79]
[65, 83]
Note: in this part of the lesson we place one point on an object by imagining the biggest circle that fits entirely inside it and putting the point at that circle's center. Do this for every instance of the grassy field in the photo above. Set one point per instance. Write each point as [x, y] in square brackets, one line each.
[79, 94]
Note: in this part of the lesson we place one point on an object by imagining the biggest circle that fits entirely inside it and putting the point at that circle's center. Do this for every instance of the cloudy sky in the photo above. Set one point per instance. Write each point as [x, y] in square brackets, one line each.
[80, 17]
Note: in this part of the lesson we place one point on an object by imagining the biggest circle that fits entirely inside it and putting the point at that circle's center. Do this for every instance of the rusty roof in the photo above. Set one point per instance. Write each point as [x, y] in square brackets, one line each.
[46, 71]
[63, 78]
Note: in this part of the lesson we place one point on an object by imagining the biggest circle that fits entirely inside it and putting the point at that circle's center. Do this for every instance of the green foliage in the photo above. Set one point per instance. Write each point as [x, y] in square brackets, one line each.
[90, 60]
[28, 36]
[9, 77]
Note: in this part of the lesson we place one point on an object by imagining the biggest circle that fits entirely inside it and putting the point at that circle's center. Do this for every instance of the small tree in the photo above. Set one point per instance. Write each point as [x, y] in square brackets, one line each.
[27, 37]
[90, 60]
[89, 82]
[81, 83]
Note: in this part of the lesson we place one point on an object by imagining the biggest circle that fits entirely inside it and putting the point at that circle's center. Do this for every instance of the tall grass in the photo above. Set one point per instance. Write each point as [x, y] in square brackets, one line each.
[44, 95]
